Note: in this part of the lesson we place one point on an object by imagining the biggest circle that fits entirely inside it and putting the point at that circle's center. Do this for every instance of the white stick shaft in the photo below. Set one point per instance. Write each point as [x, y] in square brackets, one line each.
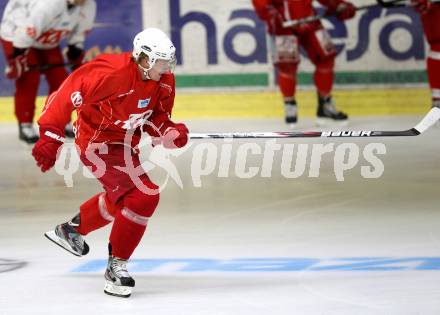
[427, 122]
[430, 119]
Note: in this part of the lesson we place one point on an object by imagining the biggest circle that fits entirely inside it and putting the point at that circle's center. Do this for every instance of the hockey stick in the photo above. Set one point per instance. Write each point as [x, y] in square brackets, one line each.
[430, 119]
[380, 3]
[48, 66]
[392, 3]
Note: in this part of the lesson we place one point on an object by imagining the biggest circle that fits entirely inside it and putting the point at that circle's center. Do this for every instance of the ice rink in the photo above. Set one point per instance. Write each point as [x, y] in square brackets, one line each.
[249, 246]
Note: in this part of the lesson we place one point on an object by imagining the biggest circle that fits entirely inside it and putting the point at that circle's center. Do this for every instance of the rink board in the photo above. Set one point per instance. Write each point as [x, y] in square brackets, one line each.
[269, 104]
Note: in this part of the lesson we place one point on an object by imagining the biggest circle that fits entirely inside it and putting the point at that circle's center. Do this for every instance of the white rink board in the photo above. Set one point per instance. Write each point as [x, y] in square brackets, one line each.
[392, 39]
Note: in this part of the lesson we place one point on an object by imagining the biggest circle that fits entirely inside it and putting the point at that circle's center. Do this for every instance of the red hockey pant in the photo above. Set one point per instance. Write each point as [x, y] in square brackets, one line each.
[431, 28]
[26, 87]
[128, 201]
[322, 54]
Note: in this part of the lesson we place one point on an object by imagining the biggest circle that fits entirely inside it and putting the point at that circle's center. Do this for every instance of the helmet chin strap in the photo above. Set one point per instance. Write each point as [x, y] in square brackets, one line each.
[145, 71]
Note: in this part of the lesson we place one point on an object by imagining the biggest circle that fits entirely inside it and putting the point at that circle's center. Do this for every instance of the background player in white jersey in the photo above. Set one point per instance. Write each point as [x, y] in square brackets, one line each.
[31, 31]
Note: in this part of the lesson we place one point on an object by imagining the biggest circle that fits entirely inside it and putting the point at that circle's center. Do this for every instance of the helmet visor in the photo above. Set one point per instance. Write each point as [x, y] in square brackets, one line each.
[163, 66]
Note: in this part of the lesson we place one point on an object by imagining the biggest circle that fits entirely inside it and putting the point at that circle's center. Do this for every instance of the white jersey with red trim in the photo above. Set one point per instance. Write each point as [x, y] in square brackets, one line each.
[43, 24]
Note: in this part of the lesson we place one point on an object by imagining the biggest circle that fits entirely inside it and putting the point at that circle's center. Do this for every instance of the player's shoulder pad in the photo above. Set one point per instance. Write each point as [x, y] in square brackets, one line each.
[89, 6]
[111, 61]
[53, 7]
[104, 68]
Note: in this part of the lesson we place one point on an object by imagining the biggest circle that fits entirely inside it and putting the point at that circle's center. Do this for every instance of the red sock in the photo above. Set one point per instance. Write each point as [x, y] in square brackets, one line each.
[324, 77]
[287, 79]
[130, 223]
[126, 235]
[95, 213]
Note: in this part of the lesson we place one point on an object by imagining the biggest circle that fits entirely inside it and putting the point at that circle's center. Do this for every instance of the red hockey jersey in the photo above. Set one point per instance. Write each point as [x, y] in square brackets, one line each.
[110, 98]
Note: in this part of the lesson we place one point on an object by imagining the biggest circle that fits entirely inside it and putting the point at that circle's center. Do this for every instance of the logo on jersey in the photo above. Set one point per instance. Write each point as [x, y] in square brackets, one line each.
[76, 99]
[144, 103]
[134, 120]
[31, 32]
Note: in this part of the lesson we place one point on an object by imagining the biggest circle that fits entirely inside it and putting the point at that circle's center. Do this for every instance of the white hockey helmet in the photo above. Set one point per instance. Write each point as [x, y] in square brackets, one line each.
[156, 45]
[76, 2]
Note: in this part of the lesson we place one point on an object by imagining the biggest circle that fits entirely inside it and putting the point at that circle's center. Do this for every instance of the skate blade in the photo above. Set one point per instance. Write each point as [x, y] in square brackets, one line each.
[60, 242]
[117, 290]
[327, 122]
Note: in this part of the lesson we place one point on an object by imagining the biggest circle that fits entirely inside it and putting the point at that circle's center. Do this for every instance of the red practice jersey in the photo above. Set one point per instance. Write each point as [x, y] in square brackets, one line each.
[110, 98]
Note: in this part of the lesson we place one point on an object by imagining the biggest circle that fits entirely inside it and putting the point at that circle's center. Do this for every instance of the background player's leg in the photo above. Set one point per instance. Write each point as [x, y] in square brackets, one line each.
[432, 32]
[26, 87]
[433, 69]
[55, 77]
[287, 84]
[285, 56]
[322, 53]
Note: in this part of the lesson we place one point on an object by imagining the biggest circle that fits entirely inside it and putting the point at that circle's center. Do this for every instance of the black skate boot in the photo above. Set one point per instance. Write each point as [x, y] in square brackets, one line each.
[117, 280]
[68, 131]
[66, 236]
[327, 112]
[290, 109]
[27, 133]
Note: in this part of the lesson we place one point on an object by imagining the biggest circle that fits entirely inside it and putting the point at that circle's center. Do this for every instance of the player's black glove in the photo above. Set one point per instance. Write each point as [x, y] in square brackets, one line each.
[75, 55]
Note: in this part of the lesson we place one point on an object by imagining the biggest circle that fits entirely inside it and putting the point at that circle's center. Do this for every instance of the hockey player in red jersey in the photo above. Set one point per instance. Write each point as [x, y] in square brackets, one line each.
[114, 95]
[430, 14]
[285, 44]
[31, 31]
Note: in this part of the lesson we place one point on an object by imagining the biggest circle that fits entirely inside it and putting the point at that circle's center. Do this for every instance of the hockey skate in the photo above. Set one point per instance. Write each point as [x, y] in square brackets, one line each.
[66, 236]
[117, 280]
[290, 109]
[27, 133]
[327, 112]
